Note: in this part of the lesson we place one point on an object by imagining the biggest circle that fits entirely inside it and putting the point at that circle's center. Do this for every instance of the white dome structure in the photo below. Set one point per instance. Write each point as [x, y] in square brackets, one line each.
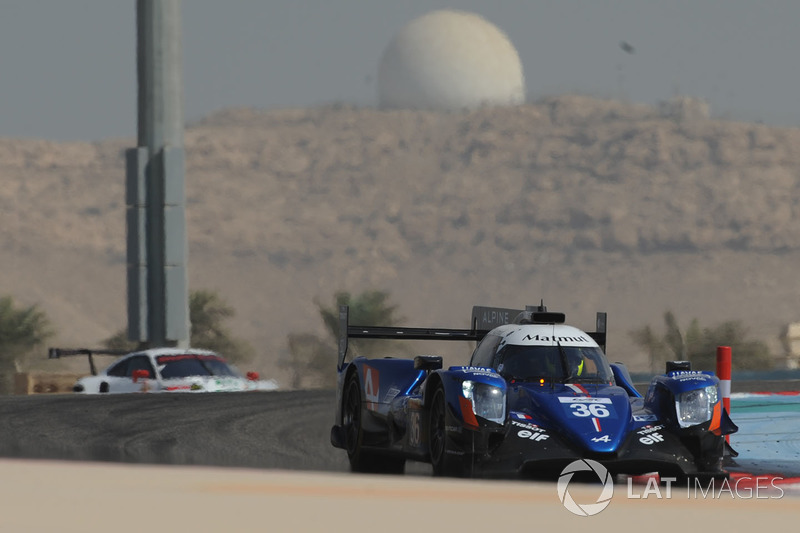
[448, 60]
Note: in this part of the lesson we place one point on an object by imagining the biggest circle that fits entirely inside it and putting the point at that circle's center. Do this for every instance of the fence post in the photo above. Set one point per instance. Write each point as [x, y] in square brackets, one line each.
[724, 375]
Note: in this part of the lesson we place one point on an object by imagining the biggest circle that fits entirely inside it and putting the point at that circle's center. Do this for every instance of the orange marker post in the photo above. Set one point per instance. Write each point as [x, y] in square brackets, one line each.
[724, 375]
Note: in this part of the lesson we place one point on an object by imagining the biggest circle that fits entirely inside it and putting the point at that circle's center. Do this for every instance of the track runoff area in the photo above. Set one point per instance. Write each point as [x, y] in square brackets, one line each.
[768, 440]
[764, 488]
[768, 446]
[73, 496]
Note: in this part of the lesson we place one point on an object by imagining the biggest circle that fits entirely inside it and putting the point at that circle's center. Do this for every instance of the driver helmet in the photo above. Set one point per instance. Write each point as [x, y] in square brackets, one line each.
[576, 362]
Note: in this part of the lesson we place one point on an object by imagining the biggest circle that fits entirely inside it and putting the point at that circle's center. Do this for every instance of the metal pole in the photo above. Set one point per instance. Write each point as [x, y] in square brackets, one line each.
[158, 303]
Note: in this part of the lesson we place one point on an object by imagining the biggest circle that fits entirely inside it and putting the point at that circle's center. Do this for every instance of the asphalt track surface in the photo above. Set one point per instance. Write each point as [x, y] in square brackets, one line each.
[285, 430]
[288, 430]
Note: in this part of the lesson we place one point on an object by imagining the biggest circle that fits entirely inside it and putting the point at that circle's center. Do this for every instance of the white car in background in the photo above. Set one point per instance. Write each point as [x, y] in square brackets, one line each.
[165, 370]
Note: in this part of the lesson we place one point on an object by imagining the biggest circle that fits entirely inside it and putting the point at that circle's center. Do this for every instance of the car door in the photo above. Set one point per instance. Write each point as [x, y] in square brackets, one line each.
[121, 379]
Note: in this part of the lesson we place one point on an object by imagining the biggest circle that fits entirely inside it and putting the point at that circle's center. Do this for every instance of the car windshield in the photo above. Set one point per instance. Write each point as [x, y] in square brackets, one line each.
[584, 364]
[185, 365]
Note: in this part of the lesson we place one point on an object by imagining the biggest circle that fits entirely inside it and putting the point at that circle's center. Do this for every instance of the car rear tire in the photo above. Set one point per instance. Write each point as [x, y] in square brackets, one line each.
[444, 460]
[363, 460]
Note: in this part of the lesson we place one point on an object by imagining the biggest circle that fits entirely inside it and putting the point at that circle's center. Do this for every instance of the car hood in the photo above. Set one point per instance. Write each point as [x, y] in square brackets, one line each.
[595, 418]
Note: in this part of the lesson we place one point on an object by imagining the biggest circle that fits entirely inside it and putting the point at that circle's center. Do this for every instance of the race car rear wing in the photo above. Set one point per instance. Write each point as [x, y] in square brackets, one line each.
[482, 321]
[58, 353]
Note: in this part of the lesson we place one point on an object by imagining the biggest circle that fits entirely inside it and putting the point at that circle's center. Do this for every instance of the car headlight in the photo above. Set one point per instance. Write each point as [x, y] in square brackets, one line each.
[696, 406]
[487, 401]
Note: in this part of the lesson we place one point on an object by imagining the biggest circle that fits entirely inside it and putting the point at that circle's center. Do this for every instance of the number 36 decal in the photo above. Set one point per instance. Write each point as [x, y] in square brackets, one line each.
[593, 409]
[583, 407]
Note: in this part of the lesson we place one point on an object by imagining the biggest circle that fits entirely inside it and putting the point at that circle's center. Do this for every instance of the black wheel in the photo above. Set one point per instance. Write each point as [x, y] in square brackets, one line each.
[443, 460]
[362, 460]
[104, 387]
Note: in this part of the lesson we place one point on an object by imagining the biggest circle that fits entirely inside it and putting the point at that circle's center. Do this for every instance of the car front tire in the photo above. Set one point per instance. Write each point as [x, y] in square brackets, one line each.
[443, 459]
[362, 460]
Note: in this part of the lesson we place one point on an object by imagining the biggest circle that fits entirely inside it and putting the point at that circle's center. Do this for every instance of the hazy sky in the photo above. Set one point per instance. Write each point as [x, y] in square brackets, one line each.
[67, 67]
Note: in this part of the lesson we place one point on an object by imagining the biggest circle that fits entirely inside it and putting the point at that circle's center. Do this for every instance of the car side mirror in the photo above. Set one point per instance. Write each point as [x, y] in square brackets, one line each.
[252, 376]
[427, 362]
[140, 374]
[673, 366]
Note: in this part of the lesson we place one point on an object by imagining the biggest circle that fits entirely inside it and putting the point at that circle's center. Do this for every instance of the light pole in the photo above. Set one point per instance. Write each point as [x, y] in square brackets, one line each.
[157, 250]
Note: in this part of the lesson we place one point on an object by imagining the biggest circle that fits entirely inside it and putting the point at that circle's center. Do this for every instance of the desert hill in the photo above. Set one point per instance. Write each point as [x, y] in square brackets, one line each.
[590, 204]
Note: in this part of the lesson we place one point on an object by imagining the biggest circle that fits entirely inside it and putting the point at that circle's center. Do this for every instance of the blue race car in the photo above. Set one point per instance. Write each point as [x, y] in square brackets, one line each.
[537, 394]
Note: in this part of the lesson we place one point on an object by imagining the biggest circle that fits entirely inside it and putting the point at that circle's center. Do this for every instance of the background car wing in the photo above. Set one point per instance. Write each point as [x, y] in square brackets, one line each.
[57, 353]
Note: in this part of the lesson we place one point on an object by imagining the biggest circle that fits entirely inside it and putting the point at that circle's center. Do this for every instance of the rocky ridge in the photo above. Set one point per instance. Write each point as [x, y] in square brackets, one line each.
[590, 204]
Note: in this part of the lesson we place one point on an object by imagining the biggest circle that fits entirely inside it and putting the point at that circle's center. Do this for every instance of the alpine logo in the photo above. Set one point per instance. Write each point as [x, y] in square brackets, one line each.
[371, 387]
